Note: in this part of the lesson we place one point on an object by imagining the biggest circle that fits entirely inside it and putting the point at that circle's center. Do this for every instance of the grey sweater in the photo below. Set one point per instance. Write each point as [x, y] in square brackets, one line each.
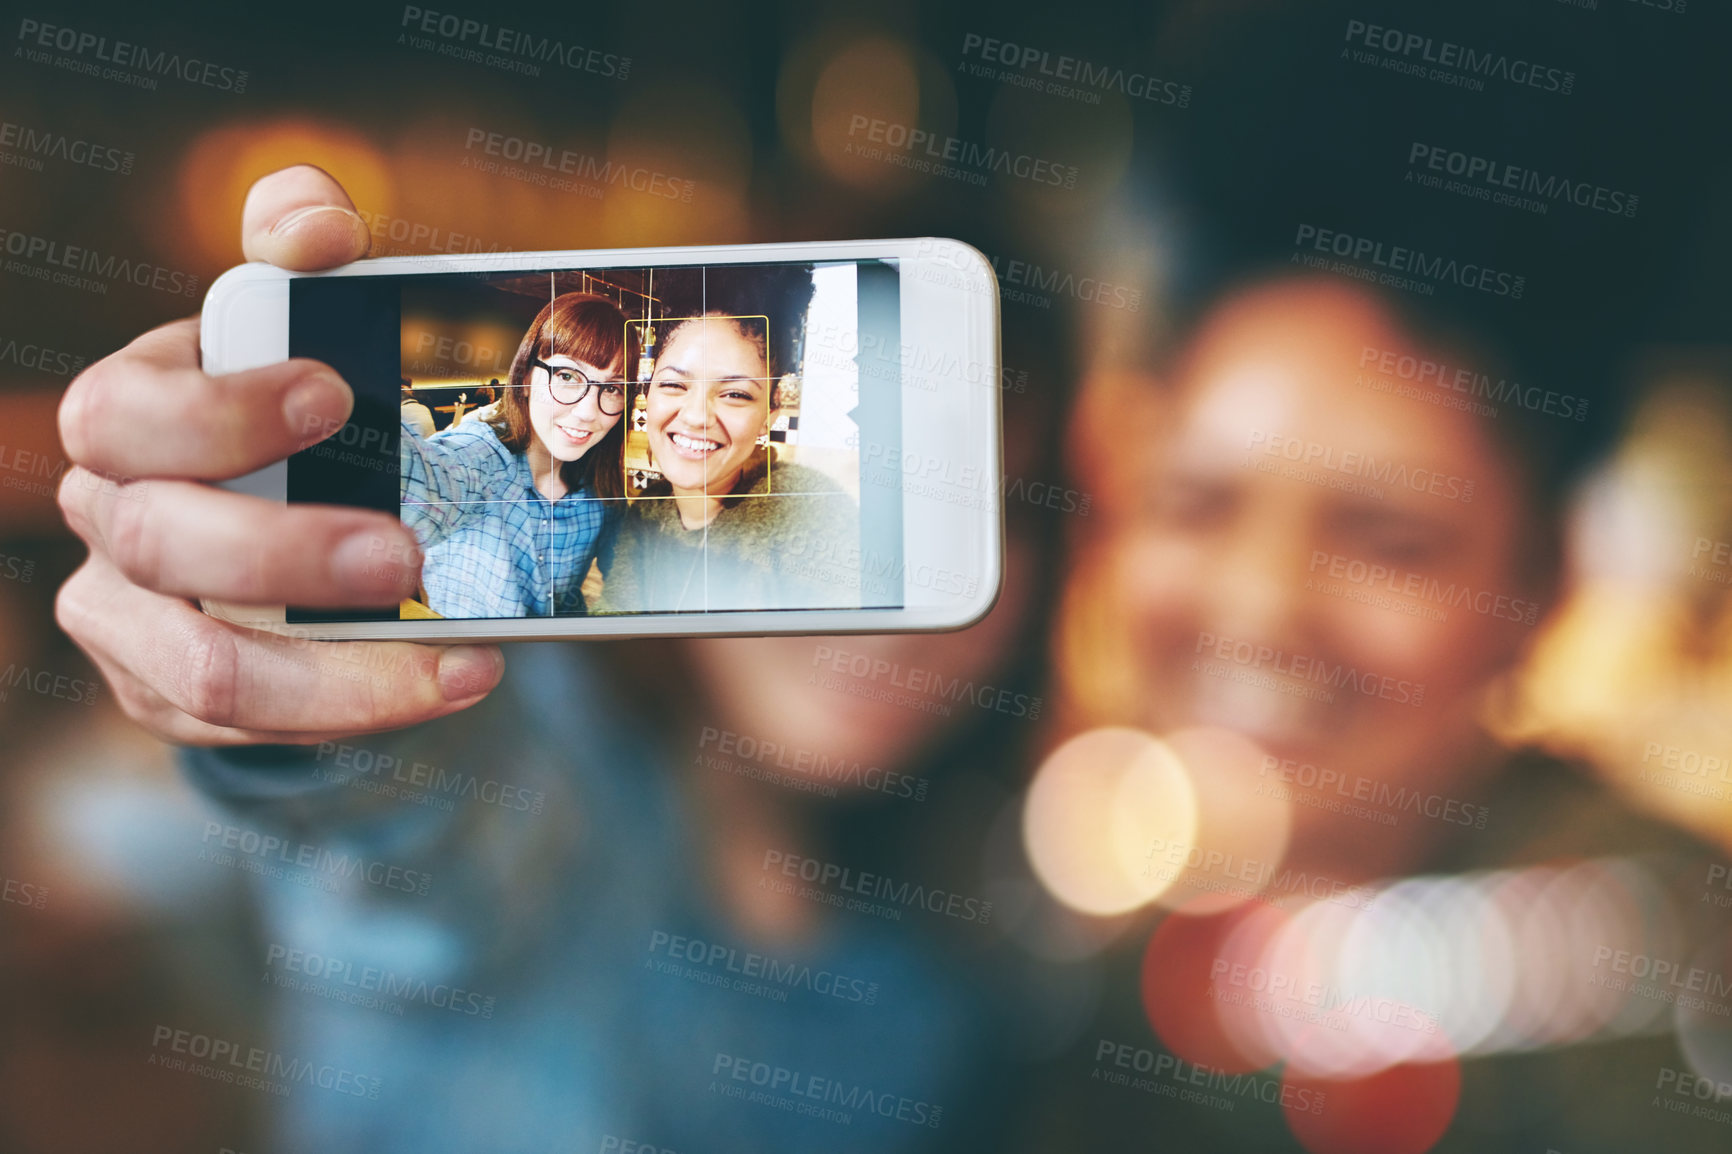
[789, 539]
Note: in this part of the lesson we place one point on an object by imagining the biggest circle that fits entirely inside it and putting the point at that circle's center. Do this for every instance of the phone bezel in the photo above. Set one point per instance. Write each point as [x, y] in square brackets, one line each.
[950, 320]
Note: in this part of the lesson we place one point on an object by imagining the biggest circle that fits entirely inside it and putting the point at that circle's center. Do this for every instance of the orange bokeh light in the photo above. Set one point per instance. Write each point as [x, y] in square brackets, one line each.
[875, 78]
[1097, 806]
[223, 163]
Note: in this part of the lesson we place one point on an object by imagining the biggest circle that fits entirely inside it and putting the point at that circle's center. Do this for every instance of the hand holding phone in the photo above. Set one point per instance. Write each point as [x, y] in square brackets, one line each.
[145, 429]
[730, 440]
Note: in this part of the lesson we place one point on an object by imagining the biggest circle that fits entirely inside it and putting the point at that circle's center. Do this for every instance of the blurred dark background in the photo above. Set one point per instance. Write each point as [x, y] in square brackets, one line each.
[746, 113]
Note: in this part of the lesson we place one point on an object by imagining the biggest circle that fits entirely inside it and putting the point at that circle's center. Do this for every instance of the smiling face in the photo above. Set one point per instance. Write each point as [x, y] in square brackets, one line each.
[567, 432]
[1332, 571]
[708, 403]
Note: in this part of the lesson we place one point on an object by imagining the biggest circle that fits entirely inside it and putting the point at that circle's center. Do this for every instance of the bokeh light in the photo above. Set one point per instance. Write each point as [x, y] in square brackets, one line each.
[832, 89]
[1477, 954]
[683, 131]
[1097, 806]
[1703, 1014]
[1542, 952]
[1241, 831]
[1200, 988]
[1636, 669]
[223, 162]
[1401, 1110]
[1423, 970]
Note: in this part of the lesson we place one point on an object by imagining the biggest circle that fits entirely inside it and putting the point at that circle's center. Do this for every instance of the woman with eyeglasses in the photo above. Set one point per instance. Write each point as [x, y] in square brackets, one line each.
[508, 510]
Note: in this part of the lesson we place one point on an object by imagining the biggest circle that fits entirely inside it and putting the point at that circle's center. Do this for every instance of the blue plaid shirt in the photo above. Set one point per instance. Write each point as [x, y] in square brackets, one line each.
[495, 546]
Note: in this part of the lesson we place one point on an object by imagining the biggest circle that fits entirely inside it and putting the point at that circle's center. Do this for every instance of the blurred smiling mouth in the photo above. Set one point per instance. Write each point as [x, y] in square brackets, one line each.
[575, 436]
[696, 448]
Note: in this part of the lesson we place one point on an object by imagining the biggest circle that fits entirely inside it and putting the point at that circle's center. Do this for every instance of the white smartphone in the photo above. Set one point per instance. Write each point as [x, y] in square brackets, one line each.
[729, 440]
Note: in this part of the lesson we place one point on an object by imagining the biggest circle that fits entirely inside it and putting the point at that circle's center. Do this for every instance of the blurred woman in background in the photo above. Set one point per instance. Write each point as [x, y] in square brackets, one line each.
[1310, 587]
[1335, 571]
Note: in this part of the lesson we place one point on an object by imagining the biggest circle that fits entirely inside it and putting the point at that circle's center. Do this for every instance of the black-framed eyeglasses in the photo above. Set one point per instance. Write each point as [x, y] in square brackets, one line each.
[570, 385]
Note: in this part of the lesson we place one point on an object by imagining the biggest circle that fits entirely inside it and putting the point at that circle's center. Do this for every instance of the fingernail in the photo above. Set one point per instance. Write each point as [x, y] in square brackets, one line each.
[295, 219]
[375, 565]
[468, 670]
[317, 407]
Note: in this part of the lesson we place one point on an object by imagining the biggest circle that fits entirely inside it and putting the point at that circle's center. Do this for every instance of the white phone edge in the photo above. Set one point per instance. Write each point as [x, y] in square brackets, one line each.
[974, 377]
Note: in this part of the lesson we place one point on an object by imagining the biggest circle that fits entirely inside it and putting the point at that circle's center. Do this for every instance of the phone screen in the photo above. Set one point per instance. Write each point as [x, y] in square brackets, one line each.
[622, 440]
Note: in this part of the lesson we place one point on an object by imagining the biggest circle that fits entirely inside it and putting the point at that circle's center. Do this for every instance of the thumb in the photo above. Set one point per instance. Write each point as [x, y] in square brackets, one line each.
[300, 218]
